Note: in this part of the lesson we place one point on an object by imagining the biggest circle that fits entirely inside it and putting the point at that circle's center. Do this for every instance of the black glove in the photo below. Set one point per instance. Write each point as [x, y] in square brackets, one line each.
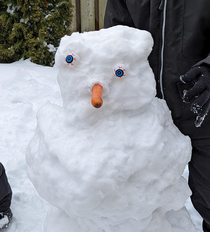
[199, 94]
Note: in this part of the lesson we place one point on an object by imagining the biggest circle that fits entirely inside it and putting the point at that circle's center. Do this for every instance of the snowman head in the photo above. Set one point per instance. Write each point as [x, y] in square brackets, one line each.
[110, 64]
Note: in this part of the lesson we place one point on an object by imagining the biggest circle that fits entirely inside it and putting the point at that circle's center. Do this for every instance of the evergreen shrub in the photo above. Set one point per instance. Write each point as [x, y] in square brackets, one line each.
[33, 29]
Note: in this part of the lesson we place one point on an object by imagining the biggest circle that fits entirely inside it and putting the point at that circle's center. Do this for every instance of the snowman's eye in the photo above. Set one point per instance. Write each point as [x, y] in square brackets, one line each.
[72, 59]
[69, 59]
[119, 72]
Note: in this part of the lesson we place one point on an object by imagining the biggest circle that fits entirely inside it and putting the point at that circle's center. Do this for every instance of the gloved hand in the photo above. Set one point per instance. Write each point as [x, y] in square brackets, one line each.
[199, 94]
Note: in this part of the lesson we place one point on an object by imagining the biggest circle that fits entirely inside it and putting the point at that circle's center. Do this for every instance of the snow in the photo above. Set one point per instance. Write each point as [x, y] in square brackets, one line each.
[10, 9]
[3, 222]
[25, 87]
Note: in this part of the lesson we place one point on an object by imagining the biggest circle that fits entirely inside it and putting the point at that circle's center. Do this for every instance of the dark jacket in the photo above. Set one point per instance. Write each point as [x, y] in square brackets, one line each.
[181, 33]
[5, 190]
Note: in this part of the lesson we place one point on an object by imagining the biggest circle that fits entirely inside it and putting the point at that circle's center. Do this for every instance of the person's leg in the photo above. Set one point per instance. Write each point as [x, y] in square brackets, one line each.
[199, 180]
[5, 191]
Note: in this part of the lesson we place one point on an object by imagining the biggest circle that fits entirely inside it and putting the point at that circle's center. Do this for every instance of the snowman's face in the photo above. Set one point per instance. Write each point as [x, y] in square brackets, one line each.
[115, 58]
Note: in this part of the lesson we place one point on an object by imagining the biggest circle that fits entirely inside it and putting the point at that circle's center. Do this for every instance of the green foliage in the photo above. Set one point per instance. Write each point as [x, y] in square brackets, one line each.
[33, 29]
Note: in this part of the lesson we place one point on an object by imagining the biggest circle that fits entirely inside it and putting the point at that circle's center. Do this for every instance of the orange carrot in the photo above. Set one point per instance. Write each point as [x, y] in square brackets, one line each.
[96, 99]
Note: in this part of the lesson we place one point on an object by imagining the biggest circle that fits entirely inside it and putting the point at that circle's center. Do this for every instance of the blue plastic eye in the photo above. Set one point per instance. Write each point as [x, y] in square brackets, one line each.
[119, 72]
[69, 59]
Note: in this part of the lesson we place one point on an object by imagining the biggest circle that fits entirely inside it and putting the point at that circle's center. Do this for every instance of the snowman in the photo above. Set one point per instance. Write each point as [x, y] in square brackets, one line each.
[110, 159]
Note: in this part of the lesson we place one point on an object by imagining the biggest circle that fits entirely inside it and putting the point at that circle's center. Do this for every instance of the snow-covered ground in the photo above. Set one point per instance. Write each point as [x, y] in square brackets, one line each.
[25, 87]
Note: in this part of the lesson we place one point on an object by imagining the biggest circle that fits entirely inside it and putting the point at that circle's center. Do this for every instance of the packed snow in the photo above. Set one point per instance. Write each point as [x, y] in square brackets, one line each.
[4, 221]
[117, 168]
[87, 163]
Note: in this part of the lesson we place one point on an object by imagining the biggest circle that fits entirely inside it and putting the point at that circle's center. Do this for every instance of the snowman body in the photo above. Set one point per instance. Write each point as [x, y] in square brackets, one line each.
[117, 168]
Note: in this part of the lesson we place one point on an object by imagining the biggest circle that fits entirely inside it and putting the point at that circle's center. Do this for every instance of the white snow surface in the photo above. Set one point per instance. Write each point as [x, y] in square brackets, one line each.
[109, 178]
[117, 168]
[4, 221]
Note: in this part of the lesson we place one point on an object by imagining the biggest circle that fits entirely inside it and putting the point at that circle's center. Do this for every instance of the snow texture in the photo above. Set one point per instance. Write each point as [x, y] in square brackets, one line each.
[25, 87]
[3, 222]
[117, 168]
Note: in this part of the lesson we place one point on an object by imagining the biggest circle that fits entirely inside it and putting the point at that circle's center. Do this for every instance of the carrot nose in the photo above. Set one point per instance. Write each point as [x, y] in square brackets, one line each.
[96, 98]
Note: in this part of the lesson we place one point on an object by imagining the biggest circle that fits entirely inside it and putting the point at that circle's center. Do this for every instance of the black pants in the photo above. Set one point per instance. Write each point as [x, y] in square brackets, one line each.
[199, 180]
[5, 190]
